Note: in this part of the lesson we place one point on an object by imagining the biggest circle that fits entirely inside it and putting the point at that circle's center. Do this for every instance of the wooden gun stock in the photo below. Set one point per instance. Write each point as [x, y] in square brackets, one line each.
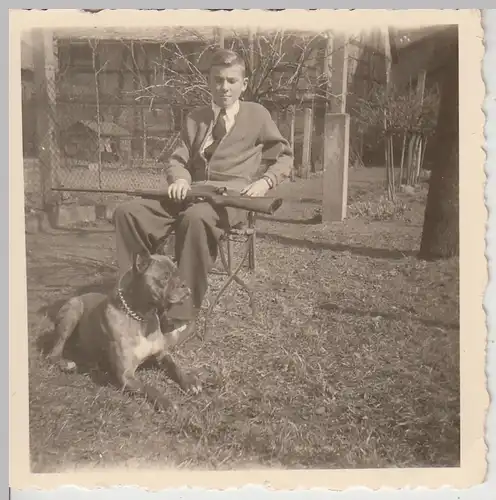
[214, 195]
[219, 197]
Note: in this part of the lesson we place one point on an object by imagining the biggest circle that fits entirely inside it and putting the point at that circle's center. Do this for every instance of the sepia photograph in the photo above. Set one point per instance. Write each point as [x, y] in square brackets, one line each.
[242, 245]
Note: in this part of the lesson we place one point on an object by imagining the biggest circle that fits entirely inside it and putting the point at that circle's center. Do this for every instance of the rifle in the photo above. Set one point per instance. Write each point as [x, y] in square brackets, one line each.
[216, 196]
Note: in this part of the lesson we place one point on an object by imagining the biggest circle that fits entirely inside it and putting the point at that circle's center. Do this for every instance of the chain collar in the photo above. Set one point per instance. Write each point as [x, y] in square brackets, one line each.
[128, 310]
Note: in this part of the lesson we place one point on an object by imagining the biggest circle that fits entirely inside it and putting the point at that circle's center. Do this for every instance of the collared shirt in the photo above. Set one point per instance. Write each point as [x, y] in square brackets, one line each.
[231, 113]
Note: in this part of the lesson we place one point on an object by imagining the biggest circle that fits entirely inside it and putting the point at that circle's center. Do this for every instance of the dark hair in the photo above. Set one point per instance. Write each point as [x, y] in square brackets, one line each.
[227, 58]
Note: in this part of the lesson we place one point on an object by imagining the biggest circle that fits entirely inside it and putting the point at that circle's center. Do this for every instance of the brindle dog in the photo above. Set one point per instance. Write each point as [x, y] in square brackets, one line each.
[123, 330]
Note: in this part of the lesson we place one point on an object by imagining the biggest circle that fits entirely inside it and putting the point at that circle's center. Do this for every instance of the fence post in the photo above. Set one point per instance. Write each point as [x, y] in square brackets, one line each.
[275, 116]
[336, 157]
[45, 64]
[307, 142]
[337, 66]
[219, 35]
[336, 132]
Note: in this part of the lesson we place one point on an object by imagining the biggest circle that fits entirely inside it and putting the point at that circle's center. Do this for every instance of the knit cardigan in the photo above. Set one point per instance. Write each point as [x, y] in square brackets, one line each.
[254, 147]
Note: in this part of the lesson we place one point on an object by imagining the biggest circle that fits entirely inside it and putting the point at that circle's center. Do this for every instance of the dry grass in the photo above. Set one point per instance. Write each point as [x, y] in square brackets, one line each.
[351, 362]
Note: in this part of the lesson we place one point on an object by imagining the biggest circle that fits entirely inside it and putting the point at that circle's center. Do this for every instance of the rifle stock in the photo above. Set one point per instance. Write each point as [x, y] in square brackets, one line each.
[214, 195]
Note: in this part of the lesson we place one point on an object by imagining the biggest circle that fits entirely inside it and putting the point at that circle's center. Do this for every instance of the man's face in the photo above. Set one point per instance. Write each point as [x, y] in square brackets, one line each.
[227, 84]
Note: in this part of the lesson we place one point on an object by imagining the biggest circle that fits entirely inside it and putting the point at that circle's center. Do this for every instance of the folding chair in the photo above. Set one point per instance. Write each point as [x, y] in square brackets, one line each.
[244, 232]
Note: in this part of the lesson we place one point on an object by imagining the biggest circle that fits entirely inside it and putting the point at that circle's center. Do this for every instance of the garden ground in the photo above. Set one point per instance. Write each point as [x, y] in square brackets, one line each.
[353, 360]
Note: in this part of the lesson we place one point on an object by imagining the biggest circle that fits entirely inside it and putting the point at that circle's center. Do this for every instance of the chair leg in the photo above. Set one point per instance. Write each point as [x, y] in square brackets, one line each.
[232, 276]
[229, 255]
[251, 255]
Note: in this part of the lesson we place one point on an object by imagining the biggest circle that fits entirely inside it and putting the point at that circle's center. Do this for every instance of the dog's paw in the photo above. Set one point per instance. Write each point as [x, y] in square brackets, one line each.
[67, 366]
[63, 365]
[165, 405]
[191, 384]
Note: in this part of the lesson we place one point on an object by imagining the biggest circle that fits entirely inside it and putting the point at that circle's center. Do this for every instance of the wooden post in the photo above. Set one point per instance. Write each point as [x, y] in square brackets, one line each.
[336, 157]
[337, 49]
[220, 38]
[275, 116]
[421, 86]
[290, 118]
[388, 139]
[321, 106]
[336, 133]
[251, 49]
[387, 58]
[418, 150]
[307, 142]
[45, 65]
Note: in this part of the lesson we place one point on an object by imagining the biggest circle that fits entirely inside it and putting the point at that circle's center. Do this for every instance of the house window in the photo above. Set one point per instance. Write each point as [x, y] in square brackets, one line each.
[81, 55]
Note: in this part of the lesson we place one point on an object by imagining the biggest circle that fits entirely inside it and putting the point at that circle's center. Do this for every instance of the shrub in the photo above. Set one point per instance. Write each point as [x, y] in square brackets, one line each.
[380, 210]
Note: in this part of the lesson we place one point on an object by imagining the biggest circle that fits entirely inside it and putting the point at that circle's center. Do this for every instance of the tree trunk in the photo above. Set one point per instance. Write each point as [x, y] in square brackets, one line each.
[410, 158]
[423, 154]
[391, 187]
[418, 160]
[292, 118]
[143, 124]
[440, 235]
[400, 179]
[389, 194]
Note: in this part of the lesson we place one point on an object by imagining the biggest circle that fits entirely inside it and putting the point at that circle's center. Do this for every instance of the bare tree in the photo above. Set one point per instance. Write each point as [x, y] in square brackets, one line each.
[401, 114]
[284, 70]
[277, 64]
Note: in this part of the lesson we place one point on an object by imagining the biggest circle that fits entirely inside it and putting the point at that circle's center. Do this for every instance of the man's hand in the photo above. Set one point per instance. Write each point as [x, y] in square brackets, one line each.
[178, 189]
[257, 188]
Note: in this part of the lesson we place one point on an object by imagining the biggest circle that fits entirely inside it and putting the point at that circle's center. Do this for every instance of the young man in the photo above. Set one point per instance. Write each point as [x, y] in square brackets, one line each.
[231, 143]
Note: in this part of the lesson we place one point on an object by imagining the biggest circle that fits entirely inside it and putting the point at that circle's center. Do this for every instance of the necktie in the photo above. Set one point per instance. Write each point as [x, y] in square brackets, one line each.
[218, 132]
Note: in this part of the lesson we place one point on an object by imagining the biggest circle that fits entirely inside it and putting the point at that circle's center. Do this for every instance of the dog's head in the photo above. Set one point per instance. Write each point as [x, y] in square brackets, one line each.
[157, 278]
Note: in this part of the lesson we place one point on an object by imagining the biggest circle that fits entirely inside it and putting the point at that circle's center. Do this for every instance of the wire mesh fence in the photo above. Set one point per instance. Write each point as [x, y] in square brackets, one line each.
[81, 132]
[111, 146]
[110, 143]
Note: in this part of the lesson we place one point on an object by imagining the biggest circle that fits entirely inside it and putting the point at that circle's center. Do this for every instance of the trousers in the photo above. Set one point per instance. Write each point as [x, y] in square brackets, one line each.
[141, 223]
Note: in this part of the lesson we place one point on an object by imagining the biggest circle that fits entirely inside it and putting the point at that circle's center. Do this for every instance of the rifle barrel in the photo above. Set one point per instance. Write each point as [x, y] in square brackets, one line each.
[255, 204]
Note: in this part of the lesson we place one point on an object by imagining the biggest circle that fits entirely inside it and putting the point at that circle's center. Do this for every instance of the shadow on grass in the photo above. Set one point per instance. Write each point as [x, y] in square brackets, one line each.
[316, 219]
[79, 230]
[377, 253]
[329, 306]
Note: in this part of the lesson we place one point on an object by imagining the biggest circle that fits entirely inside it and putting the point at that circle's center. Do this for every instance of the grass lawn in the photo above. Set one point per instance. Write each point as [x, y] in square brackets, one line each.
[352, 362]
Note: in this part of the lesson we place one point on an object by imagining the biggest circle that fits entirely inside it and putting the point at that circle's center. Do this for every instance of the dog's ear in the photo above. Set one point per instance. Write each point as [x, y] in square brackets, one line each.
[177, 290]
[141, 261]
